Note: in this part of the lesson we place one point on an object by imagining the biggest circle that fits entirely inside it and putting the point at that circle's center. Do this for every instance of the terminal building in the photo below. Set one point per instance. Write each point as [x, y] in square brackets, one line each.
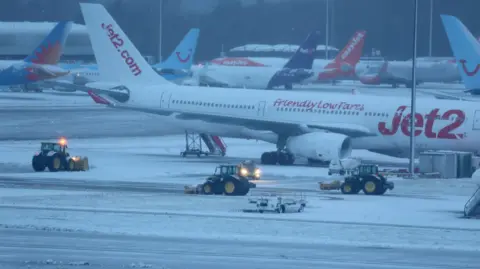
[19, 39]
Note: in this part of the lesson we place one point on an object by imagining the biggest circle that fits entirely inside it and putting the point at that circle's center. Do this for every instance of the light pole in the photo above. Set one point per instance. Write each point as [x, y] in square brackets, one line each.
[327, 28]
[430, 30]
[414, 89]
[160, 28]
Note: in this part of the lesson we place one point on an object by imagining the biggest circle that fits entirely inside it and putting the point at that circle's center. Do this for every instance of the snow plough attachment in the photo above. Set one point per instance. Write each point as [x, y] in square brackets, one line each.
[365, 177]
[55, 157]
[227, 180]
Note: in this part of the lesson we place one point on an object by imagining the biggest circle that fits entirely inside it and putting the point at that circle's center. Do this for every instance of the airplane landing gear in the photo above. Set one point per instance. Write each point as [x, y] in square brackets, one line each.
[280, 157]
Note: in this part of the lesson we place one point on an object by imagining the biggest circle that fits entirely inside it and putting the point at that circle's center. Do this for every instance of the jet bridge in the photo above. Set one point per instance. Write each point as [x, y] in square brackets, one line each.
[472, 207]
[194, 145]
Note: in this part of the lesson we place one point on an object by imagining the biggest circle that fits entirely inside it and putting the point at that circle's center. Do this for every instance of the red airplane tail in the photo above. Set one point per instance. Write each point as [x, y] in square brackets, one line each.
[344, 64]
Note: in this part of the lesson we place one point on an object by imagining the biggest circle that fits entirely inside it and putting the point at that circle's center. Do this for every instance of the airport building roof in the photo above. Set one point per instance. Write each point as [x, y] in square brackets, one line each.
[276, 48]
[20, 38]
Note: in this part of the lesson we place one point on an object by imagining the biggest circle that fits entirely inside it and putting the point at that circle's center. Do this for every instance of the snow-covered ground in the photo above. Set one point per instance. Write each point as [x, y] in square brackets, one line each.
[417, 213]
[144, 158]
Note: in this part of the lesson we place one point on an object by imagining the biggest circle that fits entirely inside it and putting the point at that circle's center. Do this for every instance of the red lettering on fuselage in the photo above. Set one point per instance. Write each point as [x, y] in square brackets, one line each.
[319, 104]
[425, 126]
[118, 42]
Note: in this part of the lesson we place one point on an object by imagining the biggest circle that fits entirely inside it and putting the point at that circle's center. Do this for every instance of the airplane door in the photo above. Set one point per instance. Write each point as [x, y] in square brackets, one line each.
[476, 120]
[165, 100]
[261, 108]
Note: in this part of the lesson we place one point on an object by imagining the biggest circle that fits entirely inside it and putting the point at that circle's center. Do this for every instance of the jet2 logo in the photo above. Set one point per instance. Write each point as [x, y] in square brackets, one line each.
[424, 124]
[469, 73]
[118, 42]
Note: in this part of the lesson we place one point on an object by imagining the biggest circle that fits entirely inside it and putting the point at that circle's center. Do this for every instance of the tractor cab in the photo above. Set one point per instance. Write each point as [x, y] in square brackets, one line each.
[55, 147]
[367, 169]
[225, 170]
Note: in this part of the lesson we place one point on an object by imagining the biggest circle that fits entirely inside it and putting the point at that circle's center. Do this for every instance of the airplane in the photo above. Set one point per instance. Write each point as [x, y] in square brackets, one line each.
[40, 65]
[294, 71]
[175, 68]
[466, 50]
[342, 67]
[306, 124]
[400, 72]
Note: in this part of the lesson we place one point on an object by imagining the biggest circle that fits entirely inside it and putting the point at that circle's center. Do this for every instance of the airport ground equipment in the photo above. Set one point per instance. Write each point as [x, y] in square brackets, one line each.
[472, 207]
[54, 156]
[278, 204]
[249, 169]
[194, 145]
[343, 167]
[365, 177]
[227, 180]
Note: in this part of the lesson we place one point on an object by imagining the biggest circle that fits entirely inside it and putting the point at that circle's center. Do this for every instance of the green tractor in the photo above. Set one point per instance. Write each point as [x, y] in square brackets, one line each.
[55, 157]
[366, 177]
[227, 179]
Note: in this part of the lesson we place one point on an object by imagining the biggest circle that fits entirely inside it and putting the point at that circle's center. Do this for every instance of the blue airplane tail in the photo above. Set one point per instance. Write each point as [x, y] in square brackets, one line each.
[304, 56]
[182, 56]
[466, 50]
[51, 48]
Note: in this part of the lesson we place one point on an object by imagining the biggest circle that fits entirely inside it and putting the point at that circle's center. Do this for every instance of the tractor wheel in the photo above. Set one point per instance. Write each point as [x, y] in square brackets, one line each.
[235, 187]
[55, 163]
[371, 186]
[71, 165]
[348, 188]
[38, 164]
[207, 188]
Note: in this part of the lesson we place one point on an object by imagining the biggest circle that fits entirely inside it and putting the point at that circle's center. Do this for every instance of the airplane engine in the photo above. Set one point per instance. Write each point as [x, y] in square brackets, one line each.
[319, 145]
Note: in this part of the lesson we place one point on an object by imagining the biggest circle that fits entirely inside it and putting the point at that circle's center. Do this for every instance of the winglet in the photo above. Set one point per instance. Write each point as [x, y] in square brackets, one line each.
[98, 99]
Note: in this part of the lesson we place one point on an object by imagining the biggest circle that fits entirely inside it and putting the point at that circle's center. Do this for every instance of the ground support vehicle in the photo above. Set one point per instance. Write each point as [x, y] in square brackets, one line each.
[365, 177]
[278, 204]
[54, 156]
[227, 180]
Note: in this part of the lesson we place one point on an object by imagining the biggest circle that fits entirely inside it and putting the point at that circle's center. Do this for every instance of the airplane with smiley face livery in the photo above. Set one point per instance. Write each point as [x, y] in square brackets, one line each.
[318, 126]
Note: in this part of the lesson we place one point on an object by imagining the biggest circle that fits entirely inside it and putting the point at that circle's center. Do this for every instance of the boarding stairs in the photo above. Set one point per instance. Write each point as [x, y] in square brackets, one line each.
[194, 145]
[472, 207]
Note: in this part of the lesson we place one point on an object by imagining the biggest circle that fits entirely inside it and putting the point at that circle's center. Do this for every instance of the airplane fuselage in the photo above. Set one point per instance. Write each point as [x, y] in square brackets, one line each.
[441, 124]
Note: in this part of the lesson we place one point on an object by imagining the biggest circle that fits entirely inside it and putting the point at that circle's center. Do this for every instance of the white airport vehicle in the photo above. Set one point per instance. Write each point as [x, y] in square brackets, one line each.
[321, 126]
[279, 204]
[344, 166]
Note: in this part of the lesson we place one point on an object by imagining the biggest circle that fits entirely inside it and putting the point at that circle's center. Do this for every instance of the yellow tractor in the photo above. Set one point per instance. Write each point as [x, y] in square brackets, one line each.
[55, 157]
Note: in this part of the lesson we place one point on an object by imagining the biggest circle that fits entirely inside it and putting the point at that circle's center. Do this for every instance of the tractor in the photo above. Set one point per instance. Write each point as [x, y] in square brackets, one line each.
[365, 177]
[54, 156]
[227, 179]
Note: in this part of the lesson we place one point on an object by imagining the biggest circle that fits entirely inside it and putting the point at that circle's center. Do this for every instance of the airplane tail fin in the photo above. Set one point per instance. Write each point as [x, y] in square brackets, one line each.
[304, 56]
[51, 48]
[118, 60]
[182, 56]
[351, 53]
[466, 50]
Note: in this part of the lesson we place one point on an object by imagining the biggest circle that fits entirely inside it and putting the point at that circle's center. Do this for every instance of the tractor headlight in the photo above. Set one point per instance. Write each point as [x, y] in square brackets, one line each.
[243, 172]
[257, 173]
